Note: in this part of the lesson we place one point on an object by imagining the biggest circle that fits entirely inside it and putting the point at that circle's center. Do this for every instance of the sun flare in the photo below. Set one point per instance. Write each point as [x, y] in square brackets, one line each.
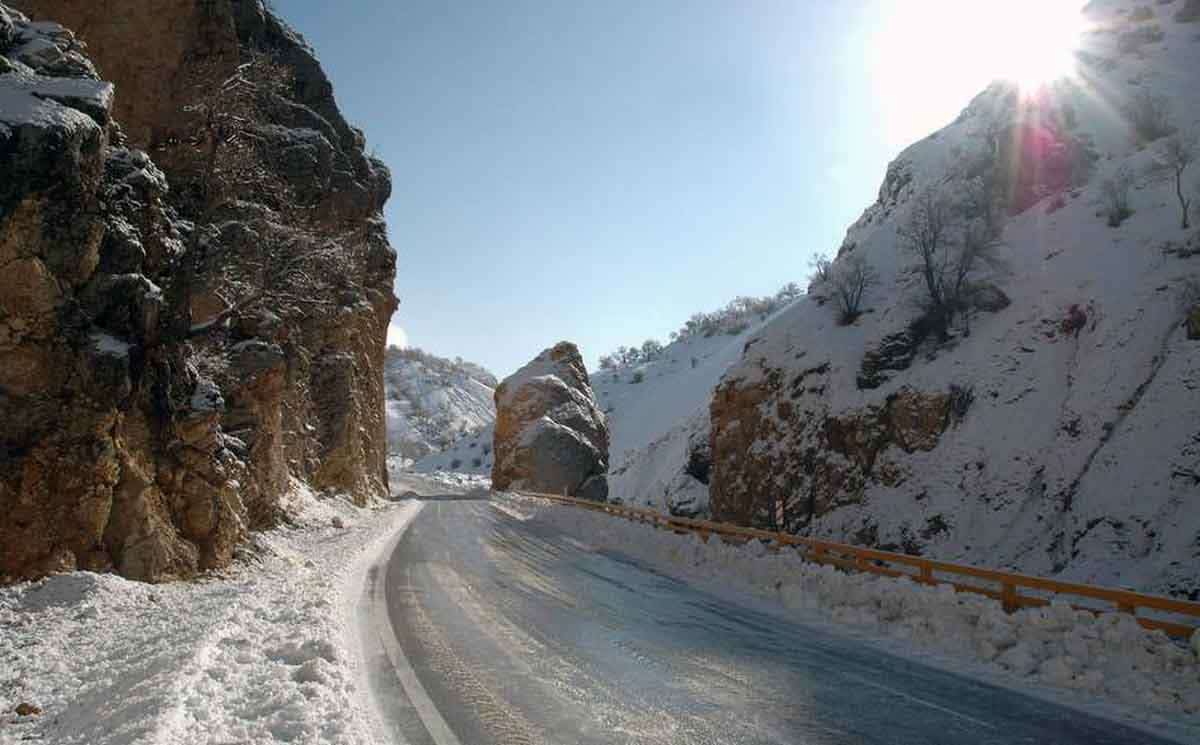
[1034, 43]
[928, 58]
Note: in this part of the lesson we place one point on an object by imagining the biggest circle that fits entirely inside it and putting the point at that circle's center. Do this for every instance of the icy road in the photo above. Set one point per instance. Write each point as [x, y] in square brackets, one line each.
[501, 632]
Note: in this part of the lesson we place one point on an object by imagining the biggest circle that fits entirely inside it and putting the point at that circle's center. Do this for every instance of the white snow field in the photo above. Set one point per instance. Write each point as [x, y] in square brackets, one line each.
[433, 402]
[266, 652]
[1071, 656]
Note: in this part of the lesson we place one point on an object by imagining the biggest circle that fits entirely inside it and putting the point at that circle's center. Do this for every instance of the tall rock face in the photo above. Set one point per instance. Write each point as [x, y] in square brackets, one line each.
[193, 310]
[550, 434]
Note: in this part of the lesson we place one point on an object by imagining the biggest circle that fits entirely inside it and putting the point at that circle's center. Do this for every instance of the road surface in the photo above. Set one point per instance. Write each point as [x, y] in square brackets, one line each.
[506, 632]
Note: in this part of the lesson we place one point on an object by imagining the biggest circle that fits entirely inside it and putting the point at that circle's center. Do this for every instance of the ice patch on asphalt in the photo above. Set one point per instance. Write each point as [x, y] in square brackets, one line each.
[1108, 657]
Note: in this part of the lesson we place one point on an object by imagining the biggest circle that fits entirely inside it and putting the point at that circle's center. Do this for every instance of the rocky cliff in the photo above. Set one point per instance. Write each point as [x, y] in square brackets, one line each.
[550, 434]
[1044, 416]
[193, 308]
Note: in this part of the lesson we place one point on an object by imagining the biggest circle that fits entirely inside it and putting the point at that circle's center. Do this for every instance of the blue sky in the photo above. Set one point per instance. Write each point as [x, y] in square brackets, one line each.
[599, 171]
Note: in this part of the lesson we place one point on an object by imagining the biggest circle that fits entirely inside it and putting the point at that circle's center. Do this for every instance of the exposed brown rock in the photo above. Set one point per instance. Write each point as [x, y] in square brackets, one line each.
[551, 436]
[28, 710]
[161, 383]
[1193, 323]
[782, 458]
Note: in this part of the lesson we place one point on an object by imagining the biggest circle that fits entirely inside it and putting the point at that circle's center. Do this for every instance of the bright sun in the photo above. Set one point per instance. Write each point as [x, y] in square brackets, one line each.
[928, 58]
[1033, 42]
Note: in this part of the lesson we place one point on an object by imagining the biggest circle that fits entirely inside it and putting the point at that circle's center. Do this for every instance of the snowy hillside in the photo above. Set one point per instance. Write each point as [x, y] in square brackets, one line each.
[432, 402]
[1058, 430]
[471, 454]
[656, 424]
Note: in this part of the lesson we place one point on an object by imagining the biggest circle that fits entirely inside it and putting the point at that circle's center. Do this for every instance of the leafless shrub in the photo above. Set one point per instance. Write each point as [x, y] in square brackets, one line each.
[961, 398]
[849, 280]
[222, 139]
[1132, 41]
[821, 268]
[1189, 293]
[1114, 195]
[257, 242]
[1141, 14]
[1150, 116]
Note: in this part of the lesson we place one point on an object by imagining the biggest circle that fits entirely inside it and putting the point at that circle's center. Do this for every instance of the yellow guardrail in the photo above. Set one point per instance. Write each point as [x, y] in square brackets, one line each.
[916, 568]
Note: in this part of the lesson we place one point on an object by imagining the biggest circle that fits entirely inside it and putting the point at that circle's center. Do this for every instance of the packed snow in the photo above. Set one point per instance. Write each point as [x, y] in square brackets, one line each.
[266, 652]
[1108, 658]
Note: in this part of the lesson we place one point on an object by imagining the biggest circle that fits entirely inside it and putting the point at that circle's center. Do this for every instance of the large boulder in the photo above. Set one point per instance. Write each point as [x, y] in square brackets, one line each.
[550, 433]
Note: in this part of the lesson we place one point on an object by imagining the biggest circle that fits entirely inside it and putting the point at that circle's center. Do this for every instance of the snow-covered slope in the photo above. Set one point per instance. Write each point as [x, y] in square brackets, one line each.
[1052, 439]
[470, 455]
[658, 422]
[432, 402]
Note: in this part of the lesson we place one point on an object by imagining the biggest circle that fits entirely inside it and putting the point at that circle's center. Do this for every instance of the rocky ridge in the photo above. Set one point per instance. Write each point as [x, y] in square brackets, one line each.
[175, 343]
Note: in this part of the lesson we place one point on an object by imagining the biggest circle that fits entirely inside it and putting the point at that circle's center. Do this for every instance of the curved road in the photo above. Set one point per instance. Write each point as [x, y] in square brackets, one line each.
[506, 632]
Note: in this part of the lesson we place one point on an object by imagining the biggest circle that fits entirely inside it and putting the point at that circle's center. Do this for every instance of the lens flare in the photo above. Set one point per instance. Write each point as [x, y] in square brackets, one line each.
[1038, 41]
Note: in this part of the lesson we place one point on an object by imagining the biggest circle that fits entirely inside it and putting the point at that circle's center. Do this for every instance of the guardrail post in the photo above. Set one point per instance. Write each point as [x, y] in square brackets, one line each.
[927, 574]
[1008, 597]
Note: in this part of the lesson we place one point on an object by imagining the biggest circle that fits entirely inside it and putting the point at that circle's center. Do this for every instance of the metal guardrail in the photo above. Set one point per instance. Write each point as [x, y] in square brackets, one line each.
[925, 571]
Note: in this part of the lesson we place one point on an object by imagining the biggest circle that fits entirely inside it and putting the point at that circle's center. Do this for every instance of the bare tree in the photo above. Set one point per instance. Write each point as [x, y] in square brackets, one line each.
[949, 249]
[1179, 152]
[788, 293]
[821, 266]
[850, 278]
[926, 233]
[977, 246]
[1114, 193]
[651, 349]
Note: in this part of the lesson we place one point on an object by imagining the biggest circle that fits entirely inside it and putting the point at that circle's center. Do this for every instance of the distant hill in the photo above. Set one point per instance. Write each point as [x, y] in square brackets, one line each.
[432, 401]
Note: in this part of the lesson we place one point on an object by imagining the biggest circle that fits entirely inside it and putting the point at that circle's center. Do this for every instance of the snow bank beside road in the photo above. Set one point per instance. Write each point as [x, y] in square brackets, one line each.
[267, 652]
[1108, 657]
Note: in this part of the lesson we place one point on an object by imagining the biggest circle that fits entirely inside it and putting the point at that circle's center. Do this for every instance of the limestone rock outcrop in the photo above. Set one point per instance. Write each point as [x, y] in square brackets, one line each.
[551, 435]
[785, 459]
[176, 341]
